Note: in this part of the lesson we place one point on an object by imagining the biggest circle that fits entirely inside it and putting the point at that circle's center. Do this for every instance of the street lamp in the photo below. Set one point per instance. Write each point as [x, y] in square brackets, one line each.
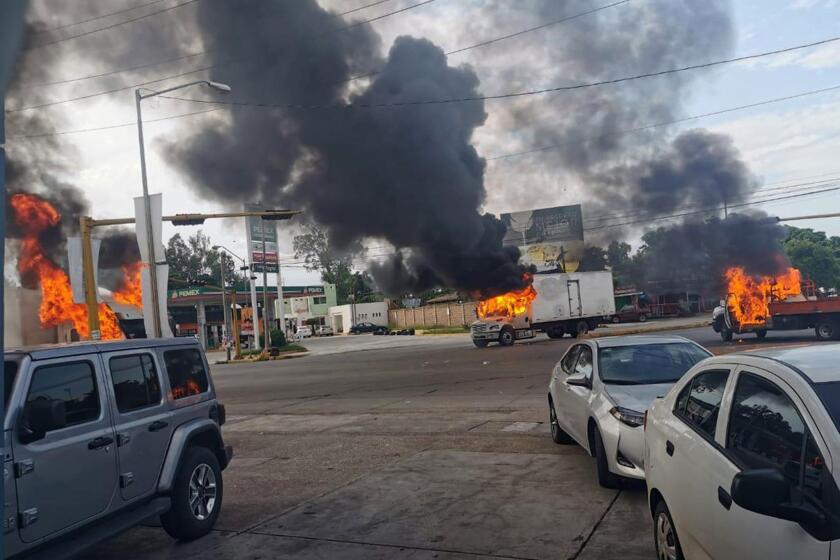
[152, 264]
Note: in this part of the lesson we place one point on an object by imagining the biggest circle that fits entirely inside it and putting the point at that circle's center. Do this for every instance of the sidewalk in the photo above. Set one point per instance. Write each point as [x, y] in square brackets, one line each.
[653, 325]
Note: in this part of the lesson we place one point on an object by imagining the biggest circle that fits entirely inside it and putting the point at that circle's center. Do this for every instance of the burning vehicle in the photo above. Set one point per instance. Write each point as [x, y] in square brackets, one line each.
[555, 304]
[784, 301]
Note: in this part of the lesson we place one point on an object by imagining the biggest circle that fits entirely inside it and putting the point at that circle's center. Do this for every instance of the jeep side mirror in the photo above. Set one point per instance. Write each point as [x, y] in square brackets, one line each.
[41, 416]
[766, 491]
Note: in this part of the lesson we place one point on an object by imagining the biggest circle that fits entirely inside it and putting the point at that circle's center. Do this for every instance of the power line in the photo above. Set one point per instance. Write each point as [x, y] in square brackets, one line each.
[715, 209]
[107, 27]
[366, 6]
[666, 123]
[218, 65]
[51, 29]
[501, 156]
[511, 95]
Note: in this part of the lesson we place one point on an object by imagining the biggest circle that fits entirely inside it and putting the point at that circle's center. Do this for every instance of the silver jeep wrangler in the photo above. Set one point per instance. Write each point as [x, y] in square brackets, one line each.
[102, 436]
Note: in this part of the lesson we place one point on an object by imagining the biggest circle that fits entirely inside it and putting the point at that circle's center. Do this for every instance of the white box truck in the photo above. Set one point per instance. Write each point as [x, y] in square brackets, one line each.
[573, 303]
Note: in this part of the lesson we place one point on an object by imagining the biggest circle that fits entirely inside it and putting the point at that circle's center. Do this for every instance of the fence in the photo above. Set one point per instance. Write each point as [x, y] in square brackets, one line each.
[440, 315]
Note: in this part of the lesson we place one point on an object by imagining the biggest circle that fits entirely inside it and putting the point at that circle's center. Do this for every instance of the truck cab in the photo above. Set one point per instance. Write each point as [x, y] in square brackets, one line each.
[502, 329]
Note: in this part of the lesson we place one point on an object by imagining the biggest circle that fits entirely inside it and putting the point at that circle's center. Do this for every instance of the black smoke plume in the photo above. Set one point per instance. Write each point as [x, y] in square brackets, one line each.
[410, 176]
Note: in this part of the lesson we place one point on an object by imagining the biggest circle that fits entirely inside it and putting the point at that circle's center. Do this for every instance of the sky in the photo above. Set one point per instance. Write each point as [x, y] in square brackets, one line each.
[786, 143]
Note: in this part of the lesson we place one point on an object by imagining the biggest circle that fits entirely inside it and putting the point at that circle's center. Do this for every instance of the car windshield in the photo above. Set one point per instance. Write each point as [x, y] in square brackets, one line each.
[829, 394]
[645, 364]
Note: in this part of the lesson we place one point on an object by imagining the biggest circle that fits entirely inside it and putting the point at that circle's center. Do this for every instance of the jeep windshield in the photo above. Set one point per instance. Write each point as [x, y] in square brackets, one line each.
[647, 364]
[11, 370]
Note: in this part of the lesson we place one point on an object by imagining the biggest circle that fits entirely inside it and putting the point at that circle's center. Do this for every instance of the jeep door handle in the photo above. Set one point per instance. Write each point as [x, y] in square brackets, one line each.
[669, 448]
[724, 498]
[100, 442]
[157, 425]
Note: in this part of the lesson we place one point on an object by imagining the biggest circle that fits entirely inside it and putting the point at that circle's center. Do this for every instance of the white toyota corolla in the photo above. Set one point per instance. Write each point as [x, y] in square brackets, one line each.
[743, 458]
[599, 392]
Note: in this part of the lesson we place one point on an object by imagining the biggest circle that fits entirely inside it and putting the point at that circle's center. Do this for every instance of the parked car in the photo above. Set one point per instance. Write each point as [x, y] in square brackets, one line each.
[631, 313]
[599, 392]
[380, 330]
[103, 436]
[324, 330]
[741, 457]
[360, 328]
[304, 331]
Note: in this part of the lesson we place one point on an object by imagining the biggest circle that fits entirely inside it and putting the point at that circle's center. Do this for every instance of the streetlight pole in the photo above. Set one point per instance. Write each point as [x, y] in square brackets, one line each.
[251, 279]
[152, 260]
[225, 313]
[265, 290]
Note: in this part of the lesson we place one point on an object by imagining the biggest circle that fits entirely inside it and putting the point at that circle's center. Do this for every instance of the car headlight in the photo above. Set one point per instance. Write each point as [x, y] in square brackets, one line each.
[629, 417]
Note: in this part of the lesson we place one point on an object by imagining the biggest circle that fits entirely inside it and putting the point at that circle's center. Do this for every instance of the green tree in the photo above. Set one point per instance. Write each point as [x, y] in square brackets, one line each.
[594, 259]
[195, 262]
[336, 267]
[816, 261]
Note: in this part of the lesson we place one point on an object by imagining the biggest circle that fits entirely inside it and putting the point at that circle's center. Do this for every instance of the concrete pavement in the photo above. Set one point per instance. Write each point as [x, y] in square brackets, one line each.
[434, 449]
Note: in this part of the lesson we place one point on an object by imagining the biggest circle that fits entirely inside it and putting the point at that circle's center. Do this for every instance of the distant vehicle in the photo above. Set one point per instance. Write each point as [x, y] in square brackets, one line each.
[380, 330]
[741, 456]
[304, 331]
[324, 330]
[360, 328]
[104, 436]
[599, 392]
[631, 313]
[573, 303]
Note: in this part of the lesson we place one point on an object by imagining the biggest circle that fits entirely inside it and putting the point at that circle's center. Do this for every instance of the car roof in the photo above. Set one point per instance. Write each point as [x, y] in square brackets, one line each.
[637, 340]
[818, 363]
[47, 351]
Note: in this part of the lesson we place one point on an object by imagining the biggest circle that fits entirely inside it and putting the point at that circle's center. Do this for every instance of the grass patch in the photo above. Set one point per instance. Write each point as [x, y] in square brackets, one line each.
[446, 330]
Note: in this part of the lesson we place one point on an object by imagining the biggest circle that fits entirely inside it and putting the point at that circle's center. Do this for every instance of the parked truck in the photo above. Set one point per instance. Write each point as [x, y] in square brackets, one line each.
[807, 310]
[560, 303]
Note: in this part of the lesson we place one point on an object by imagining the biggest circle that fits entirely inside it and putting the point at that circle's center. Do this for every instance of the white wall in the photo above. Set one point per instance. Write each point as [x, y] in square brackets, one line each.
[376, 313]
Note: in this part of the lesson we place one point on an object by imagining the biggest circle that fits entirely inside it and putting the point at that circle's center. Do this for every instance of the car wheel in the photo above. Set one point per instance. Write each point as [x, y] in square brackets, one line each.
[196, 495]
[605, 477]
[582, 328]
[557, 433]
[726, 334]
[507, 337]
[665, 535]
[616, 319]
[642, 318]
[826, 330]
[761, 333]
[556, 332]
[480, 343]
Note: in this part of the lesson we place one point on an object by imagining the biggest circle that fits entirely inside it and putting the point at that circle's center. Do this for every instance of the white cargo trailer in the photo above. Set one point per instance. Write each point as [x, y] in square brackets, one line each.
[573, 303]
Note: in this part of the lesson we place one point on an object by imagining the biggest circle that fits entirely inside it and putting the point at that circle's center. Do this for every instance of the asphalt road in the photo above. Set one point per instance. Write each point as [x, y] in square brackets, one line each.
[424, 447]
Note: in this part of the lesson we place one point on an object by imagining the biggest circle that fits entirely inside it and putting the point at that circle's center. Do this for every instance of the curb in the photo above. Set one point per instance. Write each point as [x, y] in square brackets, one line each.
[285, 356]
[662, 328]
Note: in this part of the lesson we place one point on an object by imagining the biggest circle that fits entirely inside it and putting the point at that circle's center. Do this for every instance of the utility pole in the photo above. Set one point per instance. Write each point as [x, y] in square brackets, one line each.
[225, 310]
[265, 290]
[237, 344]
[89, 278]
[281, 303]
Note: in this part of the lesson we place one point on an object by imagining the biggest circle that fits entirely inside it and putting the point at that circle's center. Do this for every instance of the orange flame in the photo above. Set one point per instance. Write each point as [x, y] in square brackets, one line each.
[190, 388]
[34, 215]
[507, 305]
[749, 297]
[131, 293]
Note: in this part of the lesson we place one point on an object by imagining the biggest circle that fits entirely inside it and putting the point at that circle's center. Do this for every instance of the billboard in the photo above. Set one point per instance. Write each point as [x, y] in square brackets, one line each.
[551, 239]
[257, 228]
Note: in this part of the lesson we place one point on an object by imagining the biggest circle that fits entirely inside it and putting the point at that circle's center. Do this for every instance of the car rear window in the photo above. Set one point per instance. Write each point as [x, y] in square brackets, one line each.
[186, 372]
[829, 394]
[645, 364]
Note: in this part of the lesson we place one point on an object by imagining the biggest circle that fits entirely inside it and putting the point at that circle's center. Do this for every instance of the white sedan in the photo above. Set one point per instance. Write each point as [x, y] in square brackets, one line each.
[601, 388]
[741, 458]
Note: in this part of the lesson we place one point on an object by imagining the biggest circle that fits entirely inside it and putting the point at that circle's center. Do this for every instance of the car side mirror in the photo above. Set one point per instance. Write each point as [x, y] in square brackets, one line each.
[579, 381]
[767, 492]
[41, 416]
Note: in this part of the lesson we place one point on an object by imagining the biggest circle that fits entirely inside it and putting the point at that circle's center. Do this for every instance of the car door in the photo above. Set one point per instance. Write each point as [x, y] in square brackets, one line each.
[687, 458]
[561, 396]
[578, 396]
[141, 418]
[70, 475]
[766, 427]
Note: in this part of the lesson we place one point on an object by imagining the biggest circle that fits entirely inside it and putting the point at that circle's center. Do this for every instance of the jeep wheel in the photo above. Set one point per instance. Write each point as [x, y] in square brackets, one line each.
[507, 337]
[196, 495]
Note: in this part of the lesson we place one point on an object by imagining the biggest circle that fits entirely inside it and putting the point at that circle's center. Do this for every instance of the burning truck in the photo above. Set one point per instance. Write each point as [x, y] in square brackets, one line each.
[555, 304]
[782, 302]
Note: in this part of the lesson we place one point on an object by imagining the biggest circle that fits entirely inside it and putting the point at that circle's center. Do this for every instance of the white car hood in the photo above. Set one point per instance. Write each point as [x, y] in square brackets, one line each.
[636, 397]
